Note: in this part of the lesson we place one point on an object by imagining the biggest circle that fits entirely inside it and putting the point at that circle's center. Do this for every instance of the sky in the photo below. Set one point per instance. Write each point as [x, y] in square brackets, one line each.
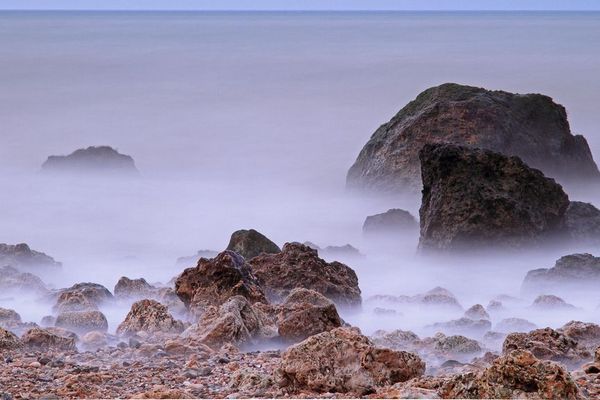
[301, 4]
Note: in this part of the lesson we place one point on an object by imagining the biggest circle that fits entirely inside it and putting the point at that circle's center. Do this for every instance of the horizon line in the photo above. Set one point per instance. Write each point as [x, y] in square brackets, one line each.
[295, 10]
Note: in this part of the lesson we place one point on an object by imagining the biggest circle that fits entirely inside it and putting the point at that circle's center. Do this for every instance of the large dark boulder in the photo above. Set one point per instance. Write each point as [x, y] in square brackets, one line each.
[94, 159]
[299, 266]
[212, 282]
[474, 198]
[250, 243]
[21, 256]
[529, 126]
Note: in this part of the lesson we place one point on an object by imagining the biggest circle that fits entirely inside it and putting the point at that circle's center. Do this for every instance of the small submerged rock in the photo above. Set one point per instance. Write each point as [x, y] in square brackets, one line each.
[392, 222]
[94, 159]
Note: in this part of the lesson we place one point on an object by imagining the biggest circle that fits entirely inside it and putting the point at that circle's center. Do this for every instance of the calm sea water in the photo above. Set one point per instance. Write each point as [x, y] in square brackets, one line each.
[241, 120]
[291, 95]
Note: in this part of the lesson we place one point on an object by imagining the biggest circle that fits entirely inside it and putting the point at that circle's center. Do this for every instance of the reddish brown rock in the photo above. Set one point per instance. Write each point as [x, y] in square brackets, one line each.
[133, 288]
[477, 312]
[517, 374]
[342, 360]
[299, 266]
[551, 302]
[236, 321]
[305, 313]
[82, 321]
[8, 340]
[73, 302]
[151, 317]
[212, 282]
[85, 296]
[586, 334]
[49, 339]
[547, 344]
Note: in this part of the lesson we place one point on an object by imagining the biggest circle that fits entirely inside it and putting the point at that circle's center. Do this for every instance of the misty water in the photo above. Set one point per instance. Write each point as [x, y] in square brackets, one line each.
[251, 120]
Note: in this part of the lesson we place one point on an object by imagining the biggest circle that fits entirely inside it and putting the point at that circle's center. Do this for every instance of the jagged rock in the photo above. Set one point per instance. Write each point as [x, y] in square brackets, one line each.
[547, 344]
[396, 339]
[133, 288]
[236, 321]
[477, 312]
[8, 340]
[477, 199]
[188, 261]
[299, 266]
[582, 221]
[213, 282]
[49, 339]
[586, 334]
[393, 221]
[8, 316]
[305, 313]
[149, 316]
[12, 280]
[530, 126]
[517, 374]
[250, 243]
[94, 159]
[464, 326]
[455, 345]
[508, 325]
[550, 302]
[342, 360]
[20, 256]
[575, 271]
[82, 321]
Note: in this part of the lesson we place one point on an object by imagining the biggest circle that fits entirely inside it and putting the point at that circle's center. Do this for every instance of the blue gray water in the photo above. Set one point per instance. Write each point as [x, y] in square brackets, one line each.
[251, 120]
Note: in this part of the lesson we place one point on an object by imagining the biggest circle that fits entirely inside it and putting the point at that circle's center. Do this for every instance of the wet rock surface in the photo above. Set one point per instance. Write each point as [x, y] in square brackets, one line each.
[251, 243]
[476, 199]
[530, 126]
[299, 266]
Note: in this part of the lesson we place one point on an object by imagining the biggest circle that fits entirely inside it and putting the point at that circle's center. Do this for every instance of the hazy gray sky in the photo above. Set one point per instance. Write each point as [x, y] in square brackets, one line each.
[305, 4]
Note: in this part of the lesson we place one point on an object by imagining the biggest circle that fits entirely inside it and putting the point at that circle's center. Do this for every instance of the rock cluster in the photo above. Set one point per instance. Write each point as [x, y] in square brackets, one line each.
[580, 271]
[530, 126]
